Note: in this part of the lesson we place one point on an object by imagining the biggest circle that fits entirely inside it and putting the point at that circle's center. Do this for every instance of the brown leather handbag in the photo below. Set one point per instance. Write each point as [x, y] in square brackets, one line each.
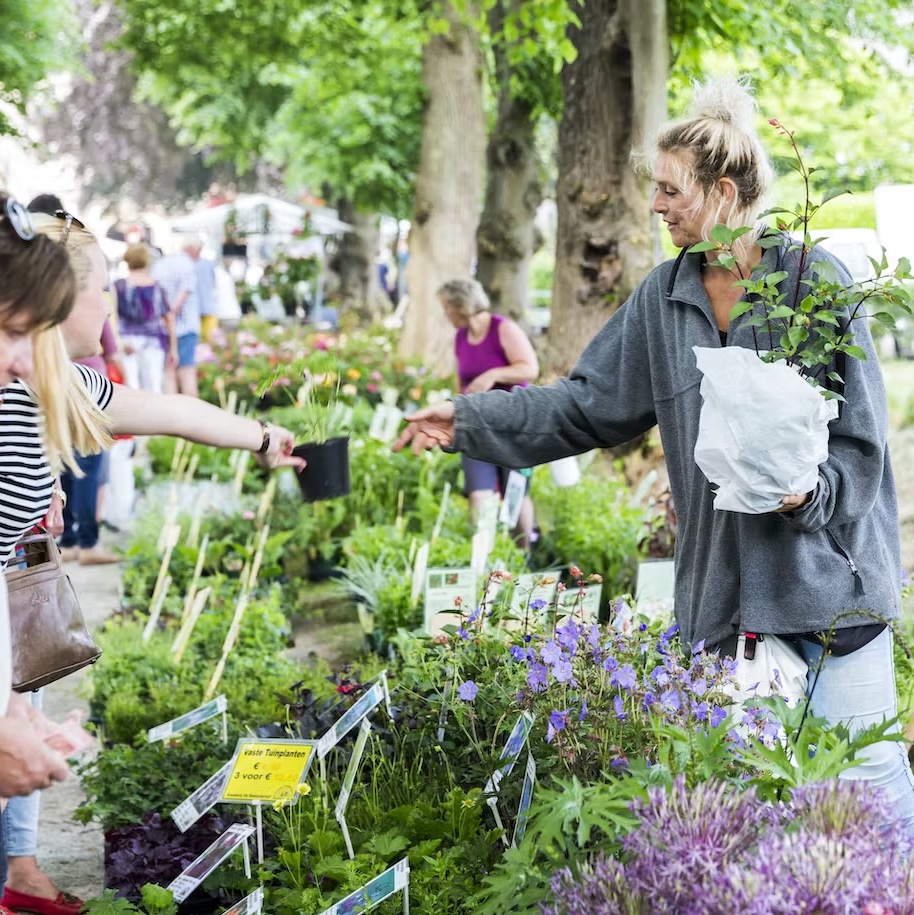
[49, 634]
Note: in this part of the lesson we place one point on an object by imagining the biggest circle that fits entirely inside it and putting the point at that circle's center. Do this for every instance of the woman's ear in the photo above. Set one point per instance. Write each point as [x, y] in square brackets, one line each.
[728, 192]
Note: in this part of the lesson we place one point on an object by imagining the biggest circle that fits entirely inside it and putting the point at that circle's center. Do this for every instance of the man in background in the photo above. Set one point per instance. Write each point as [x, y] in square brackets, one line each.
[177, 275]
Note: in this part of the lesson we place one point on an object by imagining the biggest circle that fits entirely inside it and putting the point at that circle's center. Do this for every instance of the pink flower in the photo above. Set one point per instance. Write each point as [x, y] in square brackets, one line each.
[371, 388]
[248, 515]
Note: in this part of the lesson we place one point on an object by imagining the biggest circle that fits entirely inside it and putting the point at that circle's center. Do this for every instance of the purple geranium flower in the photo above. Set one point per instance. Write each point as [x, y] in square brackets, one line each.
[569, 634]
[619, 708]
[552, 652]
[562, 671]
[467, 691]
[557, 722]
[537, 677]
[625, 677]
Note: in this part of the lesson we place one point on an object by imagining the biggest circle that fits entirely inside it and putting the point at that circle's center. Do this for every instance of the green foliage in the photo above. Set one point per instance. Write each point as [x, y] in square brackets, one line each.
[592, 525]
[155, 900]
[809, 324]
[125, 782]
[38, 38]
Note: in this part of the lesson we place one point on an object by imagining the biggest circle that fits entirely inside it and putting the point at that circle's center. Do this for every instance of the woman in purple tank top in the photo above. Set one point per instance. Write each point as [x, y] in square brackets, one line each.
[492, 353]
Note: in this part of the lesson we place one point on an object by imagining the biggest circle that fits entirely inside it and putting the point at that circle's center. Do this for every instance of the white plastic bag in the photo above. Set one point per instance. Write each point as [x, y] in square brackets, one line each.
[763, 430]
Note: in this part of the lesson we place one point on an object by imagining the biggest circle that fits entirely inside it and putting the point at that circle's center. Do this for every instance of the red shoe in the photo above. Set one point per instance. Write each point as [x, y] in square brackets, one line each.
[64, 904]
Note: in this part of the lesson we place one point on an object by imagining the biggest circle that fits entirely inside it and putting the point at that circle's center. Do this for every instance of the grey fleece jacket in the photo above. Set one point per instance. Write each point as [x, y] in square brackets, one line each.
[779, 573]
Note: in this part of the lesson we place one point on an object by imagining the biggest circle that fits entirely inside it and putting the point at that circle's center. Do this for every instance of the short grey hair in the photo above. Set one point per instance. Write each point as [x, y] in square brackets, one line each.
[467, 297]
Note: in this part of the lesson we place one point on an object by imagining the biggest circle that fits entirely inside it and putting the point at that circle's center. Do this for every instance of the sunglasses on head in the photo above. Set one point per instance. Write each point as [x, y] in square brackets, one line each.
[19, 218]
[69, 221]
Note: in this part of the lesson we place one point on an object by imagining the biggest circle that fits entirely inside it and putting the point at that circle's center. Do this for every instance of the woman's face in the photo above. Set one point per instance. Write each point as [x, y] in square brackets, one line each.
[15, 346]
[82, 330]
[452, 314]
[674, 204]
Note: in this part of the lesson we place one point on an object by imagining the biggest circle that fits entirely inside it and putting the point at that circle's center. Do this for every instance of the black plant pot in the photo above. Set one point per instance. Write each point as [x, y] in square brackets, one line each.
[327, 473]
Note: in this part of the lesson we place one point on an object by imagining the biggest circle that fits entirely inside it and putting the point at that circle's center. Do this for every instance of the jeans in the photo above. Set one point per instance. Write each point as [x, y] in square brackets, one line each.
[79, 514]
[19, 822]
[859, 690]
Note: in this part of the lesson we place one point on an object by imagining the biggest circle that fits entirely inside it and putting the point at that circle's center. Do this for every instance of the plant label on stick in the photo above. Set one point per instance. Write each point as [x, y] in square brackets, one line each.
[268, 770]
[511, 751]
[534, 594]
[188, 720]
[385, 423]
[250, 905]
[515, 490]
[447, 593]
[349, 782]
[393, 880]
[583, 603]
[442, 511]
[656, 587]
[155, 609]
[487, 515]
[420, 564]
[202, 800]
[526, 799]
[183, 638]
[362, 707]
[199, 869]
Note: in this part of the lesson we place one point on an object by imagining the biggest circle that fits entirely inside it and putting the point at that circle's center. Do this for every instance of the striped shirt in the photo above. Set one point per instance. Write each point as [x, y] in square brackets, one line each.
[26, 481]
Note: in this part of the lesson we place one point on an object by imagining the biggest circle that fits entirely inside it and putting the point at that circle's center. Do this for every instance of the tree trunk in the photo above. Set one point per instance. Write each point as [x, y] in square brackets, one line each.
[505, 238]
[359, 289]
[615, 98]
[448, 187]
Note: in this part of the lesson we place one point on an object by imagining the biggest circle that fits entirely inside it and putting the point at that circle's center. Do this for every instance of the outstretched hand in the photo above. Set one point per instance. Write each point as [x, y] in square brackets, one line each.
[430, 428]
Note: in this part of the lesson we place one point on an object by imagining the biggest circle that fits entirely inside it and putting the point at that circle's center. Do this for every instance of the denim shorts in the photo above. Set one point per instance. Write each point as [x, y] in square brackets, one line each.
[187, 350]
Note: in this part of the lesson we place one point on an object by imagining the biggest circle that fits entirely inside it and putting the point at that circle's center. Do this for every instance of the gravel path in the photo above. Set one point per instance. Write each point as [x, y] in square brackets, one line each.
[70, 853]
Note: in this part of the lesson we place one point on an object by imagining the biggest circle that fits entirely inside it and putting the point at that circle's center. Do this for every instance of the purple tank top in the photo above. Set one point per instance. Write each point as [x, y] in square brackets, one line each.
[475, 358]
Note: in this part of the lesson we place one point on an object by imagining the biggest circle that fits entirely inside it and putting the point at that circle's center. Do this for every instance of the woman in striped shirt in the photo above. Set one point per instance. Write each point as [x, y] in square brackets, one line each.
[65, 409]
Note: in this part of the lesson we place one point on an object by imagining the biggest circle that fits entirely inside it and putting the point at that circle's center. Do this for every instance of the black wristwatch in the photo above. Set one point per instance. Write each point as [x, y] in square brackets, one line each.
[265, 444]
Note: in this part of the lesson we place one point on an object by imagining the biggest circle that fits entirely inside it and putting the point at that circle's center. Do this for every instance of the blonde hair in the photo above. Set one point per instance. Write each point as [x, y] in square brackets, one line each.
[73, 422]
[466, 297]
[718, 140]
[136, 257]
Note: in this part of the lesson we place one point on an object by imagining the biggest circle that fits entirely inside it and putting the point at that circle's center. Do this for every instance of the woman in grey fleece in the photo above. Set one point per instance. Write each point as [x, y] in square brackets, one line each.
[827, 558]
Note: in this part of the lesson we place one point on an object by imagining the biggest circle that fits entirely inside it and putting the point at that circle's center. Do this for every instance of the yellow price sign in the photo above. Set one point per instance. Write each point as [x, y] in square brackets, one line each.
[268, 770]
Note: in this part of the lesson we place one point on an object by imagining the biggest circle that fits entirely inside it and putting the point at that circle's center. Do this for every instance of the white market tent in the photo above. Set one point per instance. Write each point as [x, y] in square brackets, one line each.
[284, 218]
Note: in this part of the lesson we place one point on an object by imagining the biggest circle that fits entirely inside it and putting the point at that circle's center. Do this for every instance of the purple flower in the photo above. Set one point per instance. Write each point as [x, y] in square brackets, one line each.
[561, 670]
[670, 701]
[619, 708]
[537, 605]
[625, 677]
[569, 634]
[642, 627]
[699, 686]
[551, 652]
[474, 616]
[557, 722]
[718, 716]
[467, 691]
[583, 714]
[593, 635]
[660, 676]
[700, 710]
[522, 654]
[463, 634]
[537, 677]
[610, 664]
